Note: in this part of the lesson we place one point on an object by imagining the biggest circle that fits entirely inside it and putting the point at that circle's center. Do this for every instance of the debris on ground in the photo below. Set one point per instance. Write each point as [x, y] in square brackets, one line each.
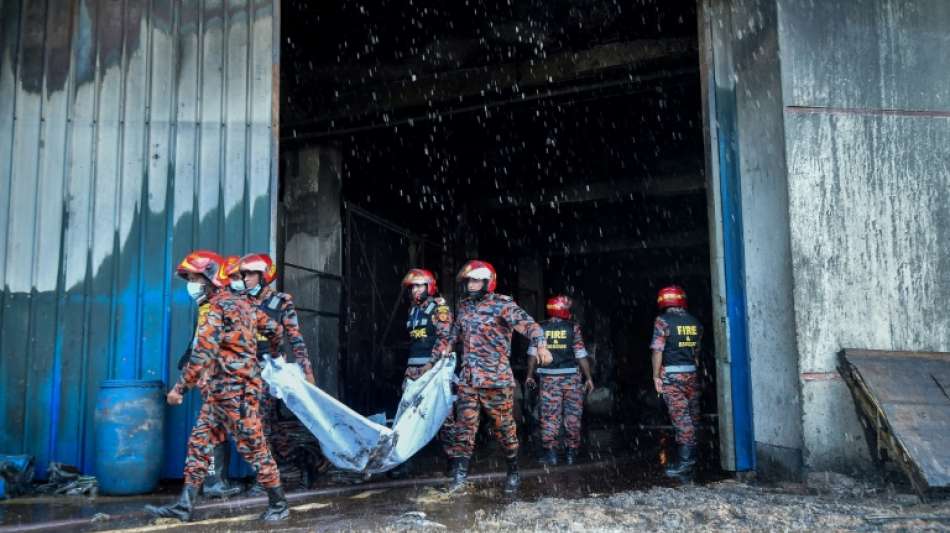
[16, 475]
[67, 480]
[416, 520]
[726, 505]
[432, 496]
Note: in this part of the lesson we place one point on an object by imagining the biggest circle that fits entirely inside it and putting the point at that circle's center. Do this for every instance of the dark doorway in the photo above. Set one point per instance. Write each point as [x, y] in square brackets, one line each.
[561, 141]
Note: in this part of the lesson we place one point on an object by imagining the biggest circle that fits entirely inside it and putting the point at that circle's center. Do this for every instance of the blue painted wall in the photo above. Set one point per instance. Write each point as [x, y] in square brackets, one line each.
[130, 133]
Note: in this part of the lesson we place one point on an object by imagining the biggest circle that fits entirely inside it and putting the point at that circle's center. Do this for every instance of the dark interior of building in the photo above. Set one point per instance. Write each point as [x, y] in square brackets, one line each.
[560, 140]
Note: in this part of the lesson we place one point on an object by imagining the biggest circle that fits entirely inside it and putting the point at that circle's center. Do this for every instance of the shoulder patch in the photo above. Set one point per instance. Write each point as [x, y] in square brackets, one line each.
[203, 313]
[442, 313]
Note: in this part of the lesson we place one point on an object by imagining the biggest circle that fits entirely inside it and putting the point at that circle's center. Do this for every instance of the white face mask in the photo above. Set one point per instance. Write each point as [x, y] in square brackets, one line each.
[196, 290]
[237, 285]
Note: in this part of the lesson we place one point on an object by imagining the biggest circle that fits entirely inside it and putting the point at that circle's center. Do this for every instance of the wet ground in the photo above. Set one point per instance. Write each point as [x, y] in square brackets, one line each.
[618, 486]
[342, 505]
[610, 495]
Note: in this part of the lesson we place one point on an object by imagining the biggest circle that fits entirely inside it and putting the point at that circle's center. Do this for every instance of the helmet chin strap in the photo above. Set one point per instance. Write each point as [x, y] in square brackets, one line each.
[479, 294]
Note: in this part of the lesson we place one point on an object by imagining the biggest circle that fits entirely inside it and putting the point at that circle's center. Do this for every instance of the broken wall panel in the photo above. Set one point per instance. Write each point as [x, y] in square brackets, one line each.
[124, 141]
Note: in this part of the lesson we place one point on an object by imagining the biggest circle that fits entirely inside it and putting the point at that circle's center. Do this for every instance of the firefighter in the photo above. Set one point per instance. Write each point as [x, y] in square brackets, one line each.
[429, 325]
[675, 351]
[224, 353]
[296, 449]
[217, 483]
[562, 393]
[483, 323]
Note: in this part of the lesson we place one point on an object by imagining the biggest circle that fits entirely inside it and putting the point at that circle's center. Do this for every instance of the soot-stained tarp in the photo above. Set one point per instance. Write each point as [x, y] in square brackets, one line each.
[353, 442]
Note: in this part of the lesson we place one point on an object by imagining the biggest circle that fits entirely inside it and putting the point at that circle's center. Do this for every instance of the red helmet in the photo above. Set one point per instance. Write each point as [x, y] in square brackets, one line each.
[419, 276]
[259, 263]
[476, 269]
[559, 306]
[228, 269]
[672, 296]
[201, 262]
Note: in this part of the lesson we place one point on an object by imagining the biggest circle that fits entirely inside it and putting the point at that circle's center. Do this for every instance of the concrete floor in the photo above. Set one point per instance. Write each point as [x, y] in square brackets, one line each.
[375, 504]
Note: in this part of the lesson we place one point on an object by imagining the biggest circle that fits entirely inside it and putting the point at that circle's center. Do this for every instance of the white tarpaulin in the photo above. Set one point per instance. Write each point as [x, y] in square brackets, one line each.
[351, 441]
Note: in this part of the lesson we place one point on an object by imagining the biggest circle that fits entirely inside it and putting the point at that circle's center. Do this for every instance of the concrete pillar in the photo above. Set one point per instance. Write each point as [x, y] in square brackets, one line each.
[841, 114]
[747, 82]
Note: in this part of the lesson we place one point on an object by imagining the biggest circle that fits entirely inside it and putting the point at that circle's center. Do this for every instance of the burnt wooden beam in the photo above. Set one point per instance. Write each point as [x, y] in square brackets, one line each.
[601, 190]
[364, 90]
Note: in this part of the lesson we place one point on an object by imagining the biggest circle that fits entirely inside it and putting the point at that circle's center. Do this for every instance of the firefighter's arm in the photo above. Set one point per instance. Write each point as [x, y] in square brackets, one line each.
[532, 366]
[584, 363]
[205, 344]
[267, 326]
[521, 321]
[291, 325]
[656, 346]
[455, 330]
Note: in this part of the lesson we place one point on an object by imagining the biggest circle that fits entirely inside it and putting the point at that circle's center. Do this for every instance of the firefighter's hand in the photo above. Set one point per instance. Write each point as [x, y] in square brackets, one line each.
[426, 367]
[174, 397]
[530, 383]
[311, 380]
[544, 356]
[658, 384]
[589, 386]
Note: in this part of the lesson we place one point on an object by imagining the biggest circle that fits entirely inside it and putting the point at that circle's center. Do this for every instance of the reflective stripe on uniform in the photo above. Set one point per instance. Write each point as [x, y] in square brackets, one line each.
[679, 369]
[557, 371]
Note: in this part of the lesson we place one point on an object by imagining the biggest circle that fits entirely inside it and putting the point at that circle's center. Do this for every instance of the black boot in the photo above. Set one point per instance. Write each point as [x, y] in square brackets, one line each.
[216, 483]
[685, 461]
[549, 457]
[459, 474]
[277, 508]
[513, 480]
[180, 509]
[256, 490]
[570, 456]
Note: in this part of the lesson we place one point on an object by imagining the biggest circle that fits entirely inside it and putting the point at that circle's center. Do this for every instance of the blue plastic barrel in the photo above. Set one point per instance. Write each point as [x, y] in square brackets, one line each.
[130, 426]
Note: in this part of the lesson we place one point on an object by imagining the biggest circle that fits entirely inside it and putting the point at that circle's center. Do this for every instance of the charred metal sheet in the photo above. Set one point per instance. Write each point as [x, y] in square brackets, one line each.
[130, 132]
[905, 408]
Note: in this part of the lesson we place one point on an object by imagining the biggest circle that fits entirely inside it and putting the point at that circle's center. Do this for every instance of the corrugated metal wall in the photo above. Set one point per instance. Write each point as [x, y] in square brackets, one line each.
[131, 131]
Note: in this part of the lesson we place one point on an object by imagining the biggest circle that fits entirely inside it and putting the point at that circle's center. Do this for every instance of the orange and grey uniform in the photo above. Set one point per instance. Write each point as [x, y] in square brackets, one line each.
[279, 306]
[677, 334]
[218, 434]
[292, 444]
[225, 346]
[429, 326]
[562, 390]
[484, 326]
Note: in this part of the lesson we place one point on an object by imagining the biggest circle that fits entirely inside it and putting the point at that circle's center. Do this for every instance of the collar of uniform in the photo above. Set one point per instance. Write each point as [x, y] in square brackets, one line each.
[265, 293]
[424, 303]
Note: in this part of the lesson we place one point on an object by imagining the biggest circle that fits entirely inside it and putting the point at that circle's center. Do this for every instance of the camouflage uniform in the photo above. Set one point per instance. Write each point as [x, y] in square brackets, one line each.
[562, 389]
[677, 334]
[429, 327]
[295, 449]
[486, 382]
[218, 433]
[225, 347]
